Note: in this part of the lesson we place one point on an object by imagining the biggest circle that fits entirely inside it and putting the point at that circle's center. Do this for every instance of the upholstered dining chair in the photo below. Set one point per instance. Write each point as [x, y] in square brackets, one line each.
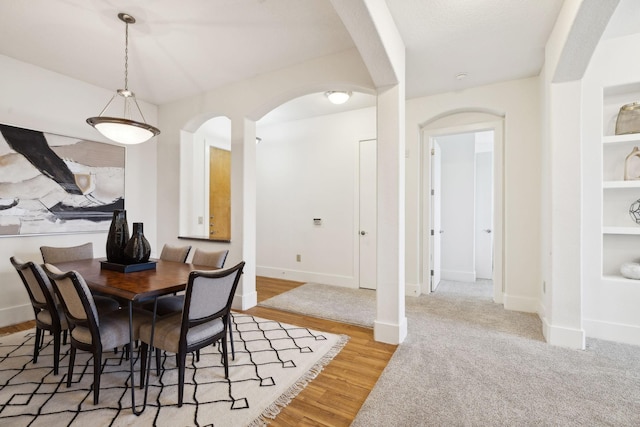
[203, 320]
[173, 303]
[48, 313]
[90, 330]
[56, 254]
[175, 253]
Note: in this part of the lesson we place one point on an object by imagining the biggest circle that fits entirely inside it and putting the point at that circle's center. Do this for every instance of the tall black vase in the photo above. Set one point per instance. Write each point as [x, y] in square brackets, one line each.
[118, 236]
[138, 248]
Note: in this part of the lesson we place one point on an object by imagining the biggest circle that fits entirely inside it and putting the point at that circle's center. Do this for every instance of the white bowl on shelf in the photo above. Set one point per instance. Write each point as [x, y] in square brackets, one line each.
[630, 270]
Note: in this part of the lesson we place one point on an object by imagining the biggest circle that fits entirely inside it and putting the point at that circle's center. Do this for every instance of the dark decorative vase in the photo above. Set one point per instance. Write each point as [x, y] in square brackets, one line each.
[138, 249]
[118, 236]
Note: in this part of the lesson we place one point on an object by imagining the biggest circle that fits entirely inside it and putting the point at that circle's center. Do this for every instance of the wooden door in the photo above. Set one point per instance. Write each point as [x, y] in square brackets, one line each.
[219, 194]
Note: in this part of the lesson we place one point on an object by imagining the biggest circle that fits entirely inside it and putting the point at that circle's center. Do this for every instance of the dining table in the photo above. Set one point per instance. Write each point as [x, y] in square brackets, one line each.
[136, 288]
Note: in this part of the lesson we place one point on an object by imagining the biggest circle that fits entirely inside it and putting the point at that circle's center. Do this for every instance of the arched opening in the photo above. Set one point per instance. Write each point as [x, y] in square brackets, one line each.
[474, 226]
[205, 180]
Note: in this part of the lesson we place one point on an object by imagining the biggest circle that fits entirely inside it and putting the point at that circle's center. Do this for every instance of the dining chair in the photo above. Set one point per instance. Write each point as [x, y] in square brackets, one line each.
[55, 254]
[91, 330]
[48, 313]
[173, 303]
[203, 320]
[175, 253]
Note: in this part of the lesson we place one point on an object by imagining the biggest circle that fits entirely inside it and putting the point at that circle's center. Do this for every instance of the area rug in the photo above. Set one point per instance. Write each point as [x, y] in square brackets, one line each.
[346, 305]
[273, 363]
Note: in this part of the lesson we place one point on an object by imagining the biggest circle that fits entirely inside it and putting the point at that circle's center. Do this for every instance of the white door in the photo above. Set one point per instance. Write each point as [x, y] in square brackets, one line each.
[436, 232]
[368, 214]
[484, 216]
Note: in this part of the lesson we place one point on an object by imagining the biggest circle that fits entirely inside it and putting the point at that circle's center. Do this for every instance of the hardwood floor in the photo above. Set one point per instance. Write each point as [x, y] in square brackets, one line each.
[336, 395]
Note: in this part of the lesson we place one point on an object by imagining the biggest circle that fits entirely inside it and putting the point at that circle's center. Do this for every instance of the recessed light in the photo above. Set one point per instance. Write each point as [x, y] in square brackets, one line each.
[461, 76]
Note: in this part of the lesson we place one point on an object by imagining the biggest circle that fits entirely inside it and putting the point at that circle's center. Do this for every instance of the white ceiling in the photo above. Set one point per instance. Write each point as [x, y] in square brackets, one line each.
[182, 48]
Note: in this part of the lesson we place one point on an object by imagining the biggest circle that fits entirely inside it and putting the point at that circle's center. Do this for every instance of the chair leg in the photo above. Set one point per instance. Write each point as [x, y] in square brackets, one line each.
[97, 371]
[56, 352]
[158, 362]
[233, 350]
[225, 356]
[181, 365]
[72, 361]
[64, 337]
[36, 346]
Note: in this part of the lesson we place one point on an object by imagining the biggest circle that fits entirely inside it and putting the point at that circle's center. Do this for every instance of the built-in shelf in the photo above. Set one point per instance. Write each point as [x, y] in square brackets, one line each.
[620, 279]
[621, 230]
[622, 139]
[621, 184]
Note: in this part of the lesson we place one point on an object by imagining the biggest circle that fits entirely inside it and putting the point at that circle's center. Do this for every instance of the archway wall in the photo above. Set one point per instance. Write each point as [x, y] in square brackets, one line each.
[249, 99]
[519, 102]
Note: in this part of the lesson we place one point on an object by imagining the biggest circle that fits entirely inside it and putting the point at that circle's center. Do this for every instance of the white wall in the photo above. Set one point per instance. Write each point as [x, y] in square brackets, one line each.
[519, 102]
[308, 169]
[458, 207]
[39, 99]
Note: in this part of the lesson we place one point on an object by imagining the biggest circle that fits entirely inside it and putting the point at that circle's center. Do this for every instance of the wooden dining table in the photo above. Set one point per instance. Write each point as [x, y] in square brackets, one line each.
[134, 287]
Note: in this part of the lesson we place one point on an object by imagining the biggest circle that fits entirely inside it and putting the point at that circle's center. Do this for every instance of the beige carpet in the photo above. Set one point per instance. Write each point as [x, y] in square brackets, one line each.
[468, 362]
[273, 363]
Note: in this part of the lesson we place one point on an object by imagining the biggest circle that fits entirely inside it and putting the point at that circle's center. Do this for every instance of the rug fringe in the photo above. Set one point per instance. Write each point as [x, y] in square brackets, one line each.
[271, 411]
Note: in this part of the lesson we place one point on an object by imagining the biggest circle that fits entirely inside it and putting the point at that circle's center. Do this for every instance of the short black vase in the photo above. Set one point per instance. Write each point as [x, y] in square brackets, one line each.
[138, 249]
[118, 236]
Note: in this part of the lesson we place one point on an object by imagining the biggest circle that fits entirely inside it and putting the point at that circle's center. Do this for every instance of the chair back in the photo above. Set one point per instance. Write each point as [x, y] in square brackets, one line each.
[209, 259]
[76, 298]
[175, 253]
[37, 283]
[54, 255]
[209, 295]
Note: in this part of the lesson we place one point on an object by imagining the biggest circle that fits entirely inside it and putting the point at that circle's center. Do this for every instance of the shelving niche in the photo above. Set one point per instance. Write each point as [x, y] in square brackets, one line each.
[620, 234]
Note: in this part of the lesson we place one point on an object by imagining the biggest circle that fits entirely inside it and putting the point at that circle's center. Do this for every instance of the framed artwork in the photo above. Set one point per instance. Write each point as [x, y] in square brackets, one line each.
[57, 184]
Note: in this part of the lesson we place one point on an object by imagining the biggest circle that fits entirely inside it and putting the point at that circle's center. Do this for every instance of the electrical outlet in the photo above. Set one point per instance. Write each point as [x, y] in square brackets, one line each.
[298, 258]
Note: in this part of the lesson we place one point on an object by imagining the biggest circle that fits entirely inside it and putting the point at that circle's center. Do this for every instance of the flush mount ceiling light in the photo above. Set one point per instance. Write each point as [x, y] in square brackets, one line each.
[123, 129]
[338, 97]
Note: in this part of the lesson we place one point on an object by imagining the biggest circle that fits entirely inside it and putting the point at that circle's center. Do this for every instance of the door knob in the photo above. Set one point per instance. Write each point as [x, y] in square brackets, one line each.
[362, 233]
[487, 230]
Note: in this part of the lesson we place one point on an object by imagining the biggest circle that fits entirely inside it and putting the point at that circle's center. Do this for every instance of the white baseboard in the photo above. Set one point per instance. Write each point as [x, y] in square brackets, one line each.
[458, 276]
[14, 315]
[307, 276]
[618, 332]
[526, 304]
[563, 336]
[390, 333]
[245, 301]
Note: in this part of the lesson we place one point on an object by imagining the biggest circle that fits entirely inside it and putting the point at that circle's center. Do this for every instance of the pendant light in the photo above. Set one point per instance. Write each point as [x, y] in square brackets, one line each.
[123, 129]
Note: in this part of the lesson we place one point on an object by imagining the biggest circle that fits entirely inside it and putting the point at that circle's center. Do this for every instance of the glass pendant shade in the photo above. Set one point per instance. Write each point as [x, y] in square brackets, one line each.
[121, 130]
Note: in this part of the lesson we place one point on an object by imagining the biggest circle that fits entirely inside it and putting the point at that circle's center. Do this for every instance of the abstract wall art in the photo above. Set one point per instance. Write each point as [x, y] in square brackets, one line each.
[56, 184]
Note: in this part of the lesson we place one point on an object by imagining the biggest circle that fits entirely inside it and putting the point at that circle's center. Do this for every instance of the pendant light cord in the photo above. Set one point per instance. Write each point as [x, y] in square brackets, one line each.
[126, 56]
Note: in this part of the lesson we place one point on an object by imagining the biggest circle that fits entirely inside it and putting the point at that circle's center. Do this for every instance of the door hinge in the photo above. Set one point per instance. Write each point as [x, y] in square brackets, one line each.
[433, 192]
[432, 272]
[433, 151]
[432, 232]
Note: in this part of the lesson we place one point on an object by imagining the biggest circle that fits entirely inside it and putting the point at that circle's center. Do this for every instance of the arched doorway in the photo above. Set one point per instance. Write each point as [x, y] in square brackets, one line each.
[441, 128]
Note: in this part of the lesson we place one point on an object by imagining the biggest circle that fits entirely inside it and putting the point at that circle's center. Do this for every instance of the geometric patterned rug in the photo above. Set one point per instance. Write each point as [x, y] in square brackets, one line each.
[274, 362]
